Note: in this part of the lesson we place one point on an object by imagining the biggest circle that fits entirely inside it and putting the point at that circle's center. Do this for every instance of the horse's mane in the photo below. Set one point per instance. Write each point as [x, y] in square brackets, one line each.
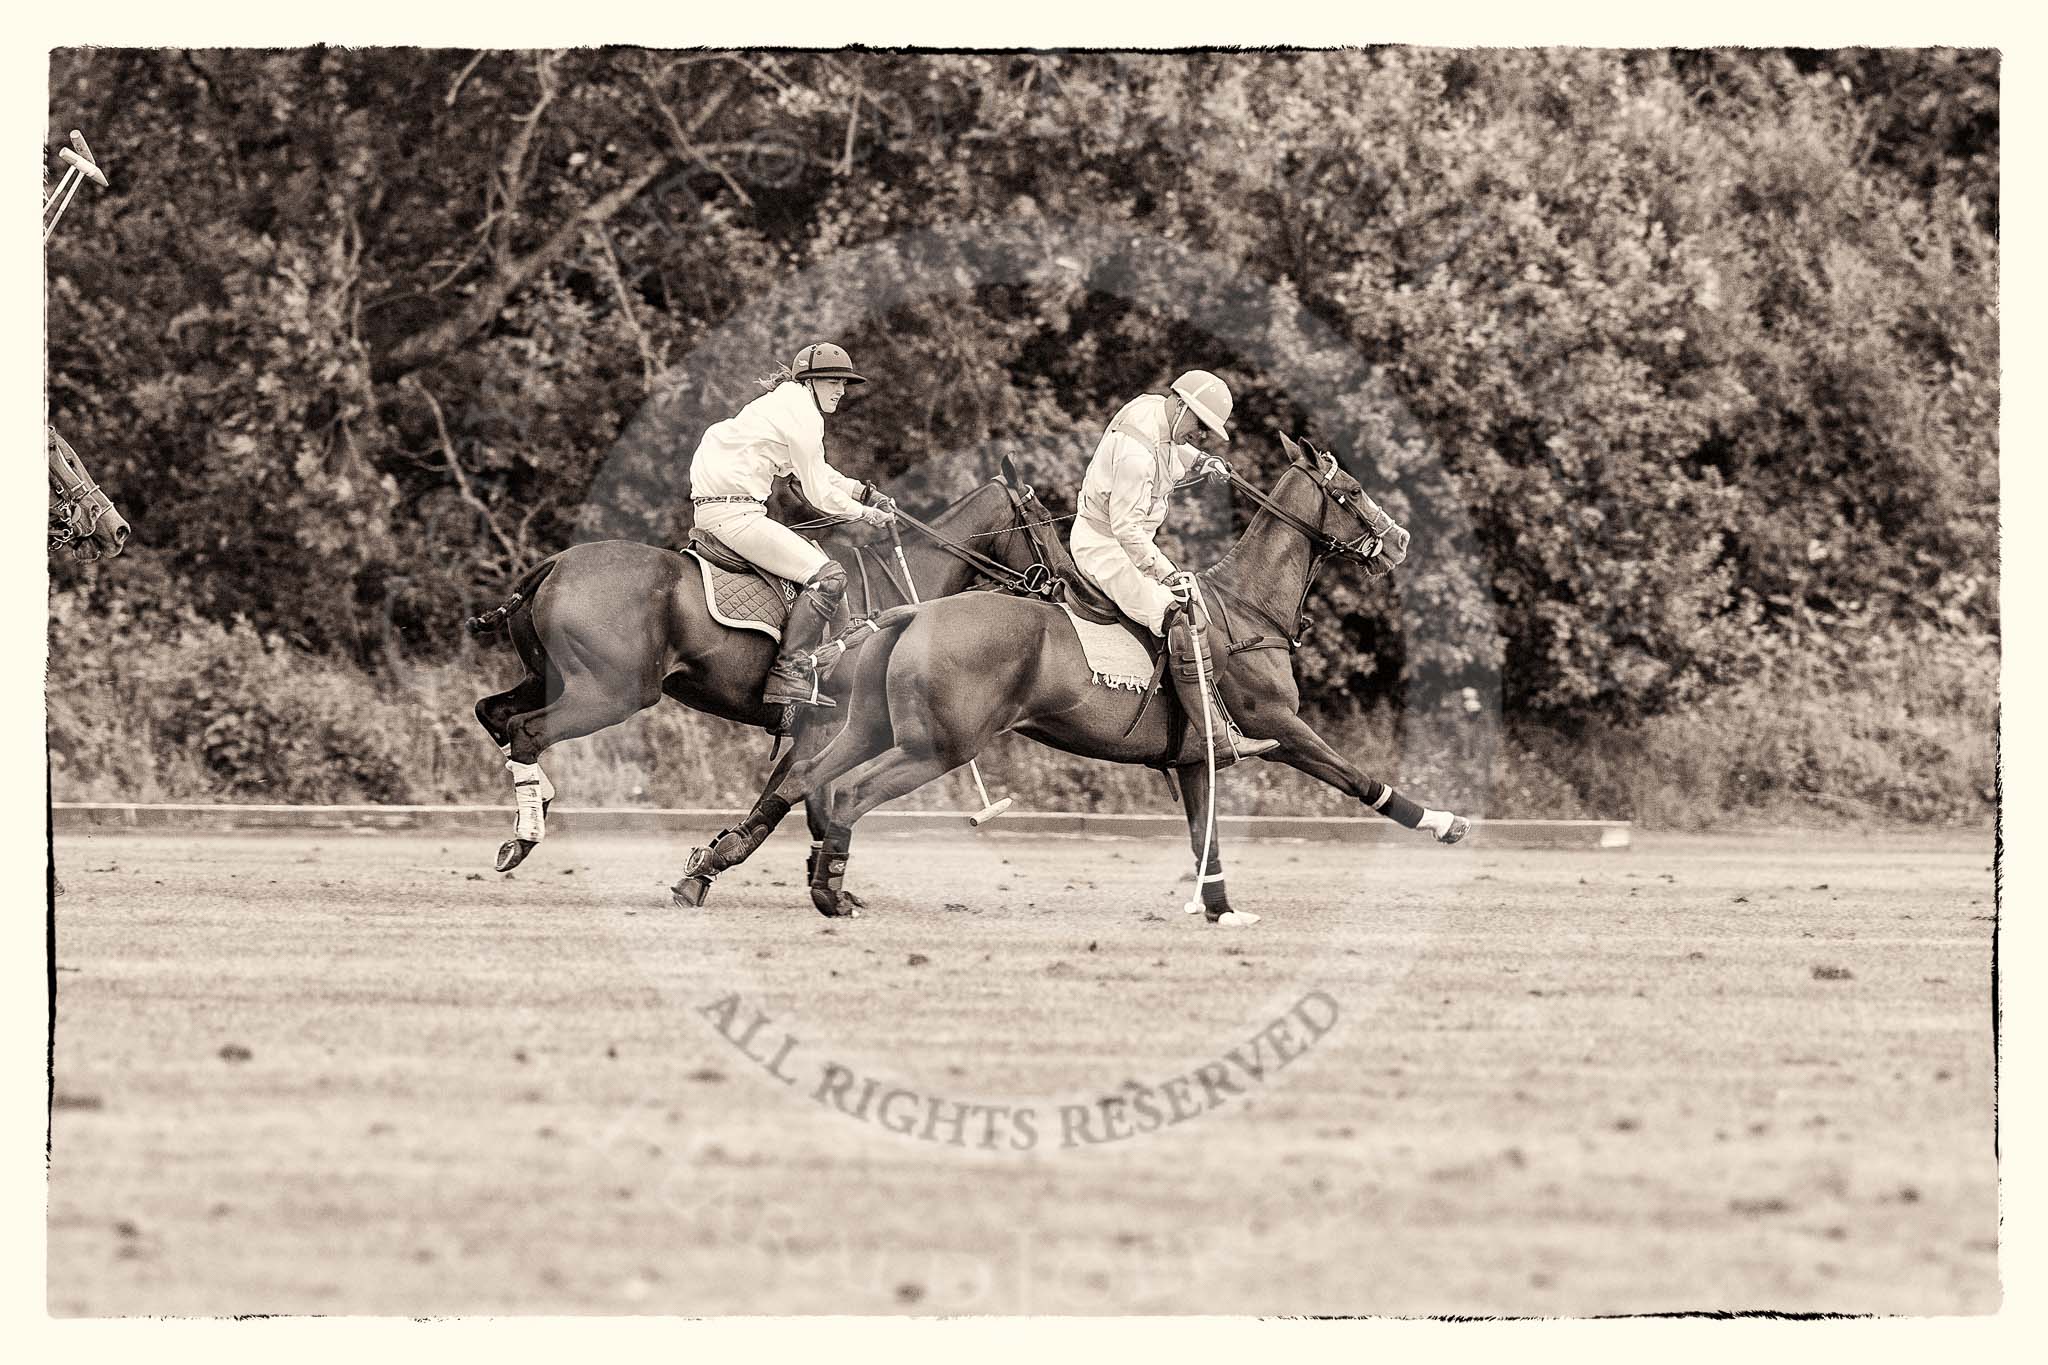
[1293, 467]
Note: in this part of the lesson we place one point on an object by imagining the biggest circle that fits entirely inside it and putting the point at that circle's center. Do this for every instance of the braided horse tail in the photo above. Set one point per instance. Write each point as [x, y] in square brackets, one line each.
[493, 621]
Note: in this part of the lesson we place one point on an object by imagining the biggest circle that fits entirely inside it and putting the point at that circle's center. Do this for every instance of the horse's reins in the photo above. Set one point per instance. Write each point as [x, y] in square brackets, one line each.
[1325, 546]
[1363, 547]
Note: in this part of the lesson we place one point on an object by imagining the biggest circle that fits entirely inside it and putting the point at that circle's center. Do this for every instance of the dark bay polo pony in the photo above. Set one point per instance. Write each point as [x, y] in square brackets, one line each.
[608, 628]
[938, 682]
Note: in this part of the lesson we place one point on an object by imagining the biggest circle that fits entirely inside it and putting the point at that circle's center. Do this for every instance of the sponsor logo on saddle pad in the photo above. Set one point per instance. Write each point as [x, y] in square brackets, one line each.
[746, 601]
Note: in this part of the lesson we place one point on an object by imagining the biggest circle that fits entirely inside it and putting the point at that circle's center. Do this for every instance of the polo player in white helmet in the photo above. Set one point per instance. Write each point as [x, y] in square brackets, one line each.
[1150, 445]
[783, 432]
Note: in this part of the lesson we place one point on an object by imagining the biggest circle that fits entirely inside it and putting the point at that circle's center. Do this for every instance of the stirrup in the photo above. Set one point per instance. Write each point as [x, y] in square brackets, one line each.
[813, 697]
[786, 689]
[1244, 746]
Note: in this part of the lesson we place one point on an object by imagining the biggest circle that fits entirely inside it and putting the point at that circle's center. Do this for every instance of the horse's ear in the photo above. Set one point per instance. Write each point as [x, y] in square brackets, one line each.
[1009, 472]
[1287, 444]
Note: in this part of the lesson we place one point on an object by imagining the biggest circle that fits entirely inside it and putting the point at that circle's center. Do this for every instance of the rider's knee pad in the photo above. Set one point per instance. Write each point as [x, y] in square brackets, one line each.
[829, 583]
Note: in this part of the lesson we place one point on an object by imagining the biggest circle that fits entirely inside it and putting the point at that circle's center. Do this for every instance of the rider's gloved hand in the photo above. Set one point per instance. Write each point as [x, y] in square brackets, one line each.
[1182, 586]
[1214, 468]
[875, 497]
[882, 515]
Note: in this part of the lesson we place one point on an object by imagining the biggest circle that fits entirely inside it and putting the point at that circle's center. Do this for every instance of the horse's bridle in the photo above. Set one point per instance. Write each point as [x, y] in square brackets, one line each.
[1363, 548]
[1036, 581]
[77, 506]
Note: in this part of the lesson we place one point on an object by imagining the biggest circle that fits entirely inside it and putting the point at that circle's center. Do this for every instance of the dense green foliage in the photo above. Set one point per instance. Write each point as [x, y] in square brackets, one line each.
[1683, 367]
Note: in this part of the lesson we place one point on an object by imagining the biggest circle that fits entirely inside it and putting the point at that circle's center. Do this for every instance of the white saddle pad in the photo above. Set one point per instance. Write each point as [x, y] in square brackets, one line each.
[1115, 658]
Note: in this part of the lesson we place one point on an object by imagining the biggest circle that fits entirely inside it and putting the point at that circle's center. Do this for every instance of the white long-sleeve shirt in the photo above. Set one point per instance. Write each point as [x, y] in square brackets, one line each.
[1125, 491]
[781, 432]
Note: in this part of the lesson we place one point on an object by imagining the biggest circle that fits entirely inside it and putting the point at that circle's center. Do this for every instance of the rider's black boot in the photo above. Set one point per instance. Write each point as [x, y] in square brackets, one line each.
[1189, 662]
[795, 676]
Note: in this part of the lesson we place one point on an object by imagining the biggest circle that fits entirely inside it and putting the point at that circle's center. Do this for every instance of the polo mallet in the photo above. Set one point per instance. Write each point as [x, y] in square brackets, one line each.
[79, 168]
[989, 809]
[1202, 874]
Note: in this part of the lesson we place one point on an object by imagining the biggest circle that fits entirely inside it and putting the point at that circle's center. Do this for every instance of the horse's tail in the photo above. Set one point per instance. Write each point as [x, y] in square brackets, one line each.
[494, 620]
[887, 624]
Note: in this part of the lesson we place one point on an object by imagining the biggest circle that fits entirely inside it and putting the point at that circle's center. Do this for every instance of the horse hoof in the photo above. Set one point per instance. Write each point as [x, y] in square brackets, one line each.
[1235, 919]
[1460, 827]
[513, 852]
[690, 892]
[840, 905]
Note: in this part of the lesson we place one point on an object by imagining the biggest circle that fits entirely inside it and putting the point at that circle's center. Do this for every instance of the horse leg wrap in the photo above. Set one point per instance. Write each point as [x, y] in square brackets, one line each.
[531, 788]
[828, 871]
[1397, 808]
[725, 850]
[733, 846]
[547, 788]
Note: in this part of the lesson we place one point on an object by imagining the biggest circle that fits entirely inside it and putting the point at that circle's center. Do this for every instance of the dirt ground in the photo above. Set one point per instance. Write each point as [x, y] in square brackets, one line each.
[362, 1074]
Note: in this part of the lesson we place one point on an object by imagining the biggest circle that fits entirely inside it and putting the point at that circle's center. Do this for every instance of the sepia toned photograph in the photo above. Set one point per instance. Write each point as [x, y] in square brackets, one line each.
[1059, 681]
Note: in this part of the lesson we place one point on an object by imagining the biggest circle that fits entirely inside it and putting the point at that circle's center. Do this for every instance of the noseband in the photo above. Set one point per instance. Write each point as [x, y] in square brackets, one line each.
[1367, 545]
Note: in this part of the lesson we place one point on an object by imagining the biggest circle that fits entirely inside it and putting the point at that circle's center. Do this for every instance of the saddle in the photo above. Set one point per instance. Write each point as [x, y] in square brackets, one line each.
[738, 592]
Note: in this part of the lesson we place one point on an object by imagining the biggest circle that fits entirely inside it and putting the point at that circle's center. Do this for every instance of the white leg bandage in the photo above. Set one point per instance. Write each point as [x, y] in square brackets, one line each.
[531, 789]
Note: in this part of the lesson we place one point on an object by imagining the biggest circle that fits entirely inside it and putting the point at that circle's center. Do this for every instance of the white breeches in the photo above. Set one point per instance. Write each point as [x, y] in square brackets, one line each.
[1103, 558]
[753, 534]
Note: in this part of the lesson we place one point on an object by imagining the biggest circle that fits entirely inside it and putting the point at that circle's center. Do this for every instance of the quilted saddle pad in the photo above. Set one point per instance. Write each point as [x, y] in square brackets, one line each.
[746, 601]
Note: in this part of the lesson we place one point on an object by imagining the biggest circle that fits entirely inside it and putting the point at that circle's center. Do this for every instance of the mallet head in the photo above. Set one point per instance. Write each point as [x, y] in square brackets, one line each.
[84, 165]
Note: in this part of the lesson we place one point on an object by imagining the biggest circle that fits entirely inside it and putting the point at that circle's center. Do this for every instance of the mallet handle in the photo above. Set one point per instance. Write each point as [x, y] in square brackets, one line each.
[64, 183]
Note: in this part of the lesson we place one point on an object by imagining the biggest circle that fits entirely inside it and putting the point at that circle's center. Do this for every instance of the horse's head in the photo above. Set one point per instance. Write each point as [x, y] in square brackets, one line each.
[82, 518]
[1360, 527]
[1001, 520]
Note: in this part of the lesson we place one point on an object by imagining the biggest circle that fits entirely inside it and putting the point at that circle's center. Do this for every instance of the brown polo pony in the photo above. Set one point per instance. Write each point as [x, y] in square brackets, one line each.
[938, 682]
[608, 628]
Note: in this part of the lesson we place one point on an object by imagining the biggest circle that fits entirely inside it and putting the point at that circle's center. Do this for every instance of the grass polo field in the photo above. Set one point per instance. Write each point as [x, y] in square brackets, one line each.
[352, 1071]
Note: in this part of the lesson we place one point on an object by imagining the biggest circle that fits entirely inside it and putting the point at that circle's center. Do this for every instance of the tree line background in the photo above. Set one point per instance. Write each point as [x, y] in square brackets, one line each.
[1702, 347]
